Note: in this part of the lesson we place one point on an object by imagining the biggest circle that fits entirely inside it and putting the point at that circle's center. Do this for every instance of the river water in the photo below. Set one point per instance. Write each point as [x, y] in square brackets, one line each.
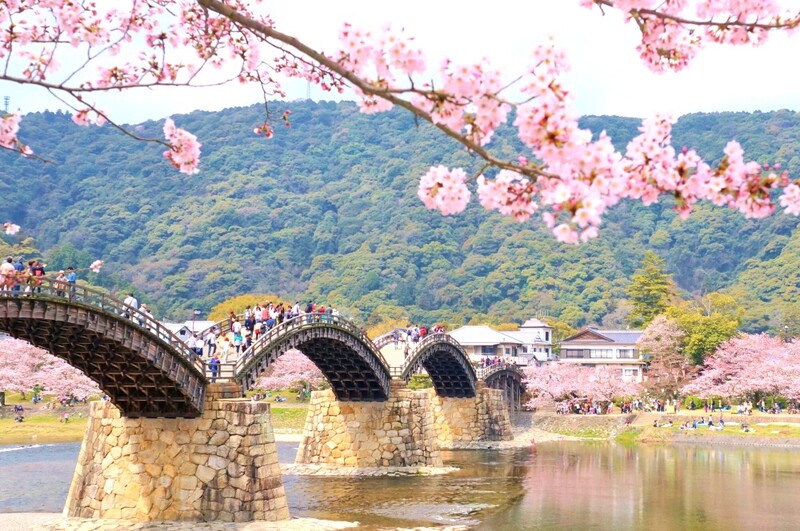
[560, 486]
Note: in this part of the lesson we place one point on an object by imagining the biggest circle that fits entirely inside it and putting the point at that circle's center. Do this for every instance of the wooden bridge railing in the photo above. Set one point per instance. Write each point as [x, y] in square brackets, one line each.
[232, 370]
[76, 294]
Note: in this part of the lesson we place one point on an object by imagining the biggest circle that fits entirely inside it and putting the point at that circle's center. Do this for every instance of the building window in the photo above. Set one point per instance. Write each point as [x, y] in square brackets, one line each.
[627, 353]
[489, 349]
[547, 336]
[575, 353]
[604, 353]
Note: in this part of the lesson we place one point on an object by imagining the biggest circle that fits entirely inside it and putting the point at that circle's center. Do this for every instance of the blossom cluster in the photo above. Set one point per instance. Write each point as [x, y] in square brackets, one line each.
[96, 266]
[10, 228]
[567, 175]
[184, 151]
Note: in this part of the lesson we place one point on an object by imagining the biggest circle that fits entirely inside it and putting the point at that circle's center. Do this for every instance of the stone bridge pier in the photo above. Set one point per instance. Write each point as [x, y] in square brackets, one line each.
[463, 422]
[220, 466]
[408, 429]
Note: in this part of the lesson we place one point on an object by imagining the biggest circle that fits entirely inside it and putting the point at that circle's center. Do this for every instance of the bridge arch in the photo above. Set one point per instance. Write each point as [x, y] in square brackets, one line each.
[144, 369]
[508, 378]
[446, 362]
[348, 359]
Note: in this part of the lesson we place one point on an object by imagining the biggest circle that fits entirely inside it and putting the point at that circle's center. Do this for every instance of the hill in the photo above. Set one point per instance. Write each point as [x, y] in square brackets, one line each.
[327, 210]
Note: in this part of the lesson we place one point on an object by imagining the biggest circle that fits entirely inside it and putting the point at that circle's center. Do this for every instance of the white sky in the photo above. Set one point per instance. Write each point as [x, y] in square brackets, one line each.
[607, 78]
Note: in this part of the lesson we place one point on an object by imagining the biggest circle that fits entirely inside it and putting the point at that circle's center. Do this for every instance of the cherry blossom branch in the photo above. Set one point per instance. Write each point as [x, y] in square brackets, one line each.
[362, 85]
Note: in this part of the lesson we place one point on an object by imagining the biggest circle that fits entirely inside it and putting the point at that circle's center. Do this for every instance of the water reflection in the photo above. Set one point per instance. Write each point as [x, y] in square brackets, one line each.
[606, 486]
[562, 486]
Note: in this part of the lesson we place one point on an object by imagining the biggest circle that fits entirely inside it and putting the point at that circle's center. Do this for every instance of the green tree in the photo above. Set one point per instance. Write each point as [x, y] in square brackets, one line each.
[649, 291]
[707, 324]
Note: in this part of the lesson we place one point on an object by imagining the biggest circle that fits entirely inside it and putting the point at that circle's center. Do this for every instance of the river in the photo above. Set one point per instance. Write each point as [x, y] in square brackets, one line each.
[564, 485]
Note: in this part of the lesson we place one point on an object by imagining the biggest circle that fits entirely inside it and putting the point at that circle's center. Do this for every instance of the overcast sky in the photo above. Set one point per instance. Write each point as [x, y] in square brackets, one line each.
[607, 75]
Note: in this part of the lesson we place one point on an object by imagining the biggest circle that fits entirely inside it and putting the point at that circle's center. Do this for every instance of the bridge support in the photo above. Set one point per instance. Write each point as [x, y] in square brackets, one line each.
[461, 421]
[406, 430]
[397, 432]
[221, 466]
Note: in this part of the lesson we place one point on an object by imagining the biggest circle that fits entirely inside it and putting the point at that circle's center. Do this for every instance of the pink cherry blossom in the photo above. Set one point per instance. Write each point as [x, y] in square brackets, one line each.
[290, 371]
[25, 366]
[96, 266]
[10, 228]
[444, 190]
[184, 152]
[748, 365]
[564, 173]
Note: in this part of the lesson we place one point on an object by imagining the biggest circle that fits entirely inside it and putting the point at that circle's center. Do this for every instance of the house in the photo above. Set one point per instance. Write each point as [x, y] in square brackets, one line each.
[537, 340]
[592, 347]
[532, 342]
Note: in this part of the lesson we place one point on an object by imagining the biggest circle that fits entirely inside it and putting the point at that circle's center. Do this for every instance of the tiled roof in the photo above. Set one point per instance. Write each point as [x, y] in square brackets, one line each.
[624, 337]
[481, 335]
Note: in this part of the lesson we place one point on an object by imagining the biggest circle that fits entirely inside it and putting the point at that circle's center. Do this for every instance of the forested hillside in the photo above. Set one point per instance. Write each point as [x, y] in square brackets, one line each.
[327, 210]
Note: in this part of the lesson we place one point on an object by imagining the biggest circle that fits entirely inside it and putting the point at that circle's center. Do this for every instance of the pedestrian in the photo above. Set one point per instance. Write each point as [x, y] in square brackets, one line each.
[8, 274]
[72, 280]
[198, 346]
[211, 341]
[131, 301]
[38, 273]
[145, 316]
[214, 364]
[19, 271]
[60, 283]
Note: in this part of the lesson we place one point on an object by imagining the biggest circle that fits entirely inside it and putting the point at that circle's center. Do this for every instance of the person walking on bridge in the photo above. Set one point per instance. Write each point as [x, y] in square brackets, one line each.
[211, 341]
[72, 280]
[214, 365]
[131, 301]
[8, 274]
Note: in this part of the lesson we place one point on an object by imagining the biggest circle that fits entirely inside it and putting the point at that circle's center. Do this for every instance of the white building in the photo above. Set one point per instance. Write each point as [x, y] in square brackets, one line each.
[533, 341]
[537, 340]
[183, 331]
[614, 348]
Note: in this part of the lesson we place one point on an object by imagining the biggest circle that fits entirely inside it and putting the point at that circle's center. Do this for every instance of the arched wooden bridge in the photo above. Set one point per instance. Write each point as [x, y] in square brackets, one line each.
[145, 369]
[349, 360]
[445, 361]
[507, 377]
[149, 372]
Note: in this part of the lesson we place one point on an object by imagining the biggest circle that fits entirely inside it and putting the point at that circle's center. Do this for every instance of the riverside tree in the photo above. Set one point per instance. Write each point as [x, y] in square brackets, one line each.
[564, 172]
[750, 366]
[26, 366]
[649, 290]
[662, 344]
[562, 382]
[293, 370]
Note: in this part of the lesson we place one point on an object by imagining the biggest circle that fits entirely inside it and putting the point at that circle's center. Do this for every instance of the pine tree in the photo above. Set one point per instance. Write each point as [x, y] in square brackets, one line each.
[649, 291]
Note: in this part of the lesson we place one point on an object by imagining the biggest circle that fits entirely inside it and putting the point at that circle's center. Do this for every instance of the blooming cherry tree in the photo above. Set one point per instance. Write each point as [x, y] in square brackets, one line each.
[26, 366]
[749, 365]
[565, 172]
[561, 382]
[290, 371]
[662, 344]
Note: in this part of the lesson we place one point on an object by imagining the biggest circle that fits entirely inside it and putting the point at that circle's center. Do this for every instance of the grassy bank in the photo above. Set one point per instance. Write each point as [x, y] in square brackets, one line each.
[41, 429]
[288, 418]
[47, 428]
[758, 434]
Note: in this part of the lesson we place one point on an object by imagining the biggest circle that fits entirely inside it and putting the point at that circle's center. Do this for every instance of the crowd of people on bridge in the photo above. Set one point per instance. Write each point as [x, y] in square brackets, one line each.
[226, 345]
[412, 335]
[26, 278]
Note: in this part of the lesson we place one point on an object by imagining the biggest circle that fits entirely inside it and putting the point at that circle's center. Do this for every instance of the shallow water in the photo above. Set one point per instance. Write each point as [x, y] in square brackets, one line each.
[561, 486]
